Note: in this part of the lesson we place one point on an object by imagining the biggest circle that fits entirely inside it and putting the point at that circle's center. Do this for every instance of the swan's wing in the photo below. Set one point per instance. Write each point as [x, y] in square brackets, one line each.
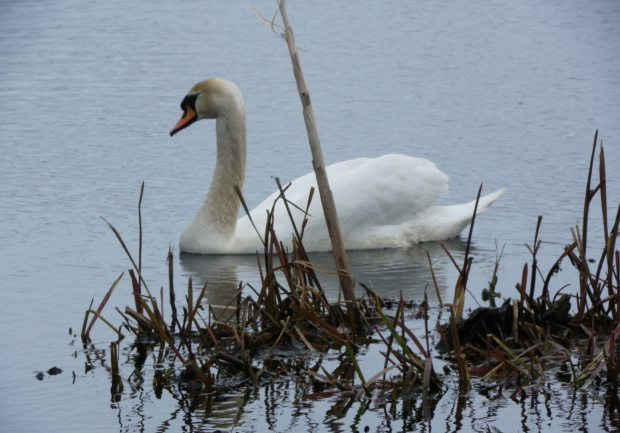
[390, 189]
[297, 194]
[368, 192]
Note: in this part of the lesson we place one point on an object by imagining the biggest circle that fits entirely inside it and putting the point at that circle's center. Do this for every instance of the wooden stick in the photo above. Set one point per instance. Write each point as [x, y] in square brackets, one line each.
[327, 199]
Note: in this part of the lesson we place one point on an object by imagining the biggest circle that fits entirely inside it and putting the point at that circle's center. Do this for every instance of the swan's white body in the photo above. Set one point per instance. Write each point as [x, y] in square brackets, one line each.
[385, 202]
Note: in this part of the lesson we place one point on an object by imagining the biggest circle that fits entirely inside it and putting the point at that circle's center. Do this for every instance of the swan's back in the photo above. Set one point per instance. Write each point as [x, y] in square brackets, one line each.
[376, 199]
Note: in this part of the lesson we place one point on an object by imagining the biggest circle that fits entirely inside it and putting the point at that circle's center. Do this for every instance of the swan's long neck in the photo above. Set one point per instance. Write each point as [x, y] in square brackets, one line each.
[221, 207]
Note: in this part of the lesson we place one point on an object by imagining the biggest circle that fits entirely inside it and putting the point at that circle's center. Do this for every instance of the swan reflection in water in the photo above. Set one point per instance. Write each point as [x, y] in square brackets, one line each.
[388, 271]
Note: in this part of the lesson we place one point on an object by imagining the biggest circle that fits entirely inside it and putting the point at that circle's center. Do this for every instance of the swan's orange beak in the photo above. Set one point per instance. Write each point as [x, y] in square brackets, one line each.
[189, 117]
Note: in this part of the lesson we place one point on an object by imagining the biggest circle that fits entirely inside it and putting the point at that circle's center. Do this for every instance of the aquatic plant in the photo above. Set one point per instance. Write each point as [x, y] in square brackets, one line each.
[534, 330]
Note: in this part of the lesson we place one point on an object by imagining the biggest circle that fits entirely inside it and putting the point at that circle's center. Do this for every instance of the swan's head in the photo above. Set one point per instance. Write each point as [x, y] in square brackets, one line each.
[209, 99]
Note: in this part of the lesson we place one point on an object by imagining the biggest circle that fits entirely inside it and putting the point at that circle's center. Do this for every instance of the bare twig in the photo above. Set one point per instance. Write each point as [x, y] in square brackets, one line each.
[327, 199]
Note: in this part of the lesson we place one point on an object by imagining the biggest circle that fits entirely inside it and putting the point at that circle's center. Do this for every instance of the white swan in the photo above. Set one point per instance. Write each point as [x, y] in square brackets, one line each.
[384, 202]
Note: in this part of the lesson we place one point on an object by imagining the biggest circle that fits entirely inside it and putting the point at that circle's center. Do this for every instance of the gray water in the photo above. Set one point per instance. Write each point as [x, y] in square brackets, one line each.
[507, 94]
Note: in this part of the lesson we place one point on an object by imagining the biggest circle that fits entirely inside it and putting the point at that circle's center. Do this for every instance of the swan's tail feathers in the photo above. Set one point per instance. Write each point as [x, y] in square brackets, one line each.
[487, 200]
[449, 221]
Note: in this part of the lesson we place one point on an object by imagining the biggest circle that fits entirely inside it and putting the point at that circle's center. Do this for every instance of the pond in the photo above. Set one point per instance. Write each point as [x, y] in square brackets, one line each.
[507, 95]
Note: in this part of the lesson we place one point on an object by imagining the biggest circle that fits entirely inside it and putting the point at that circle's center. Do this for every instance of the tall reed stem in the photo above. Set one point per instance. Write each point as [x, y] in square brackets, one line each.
[327, 199]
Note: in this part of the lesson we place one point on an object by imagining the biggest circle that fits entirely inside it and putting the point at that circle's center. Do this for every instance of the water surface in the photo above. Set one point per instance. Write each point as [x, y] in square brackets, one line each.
[508, 95]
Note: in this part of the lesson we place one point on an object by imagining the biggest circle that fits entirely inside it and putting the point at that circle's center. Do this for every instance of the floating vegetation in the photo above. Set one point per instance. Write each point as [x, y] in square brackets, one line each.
[534, 331]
